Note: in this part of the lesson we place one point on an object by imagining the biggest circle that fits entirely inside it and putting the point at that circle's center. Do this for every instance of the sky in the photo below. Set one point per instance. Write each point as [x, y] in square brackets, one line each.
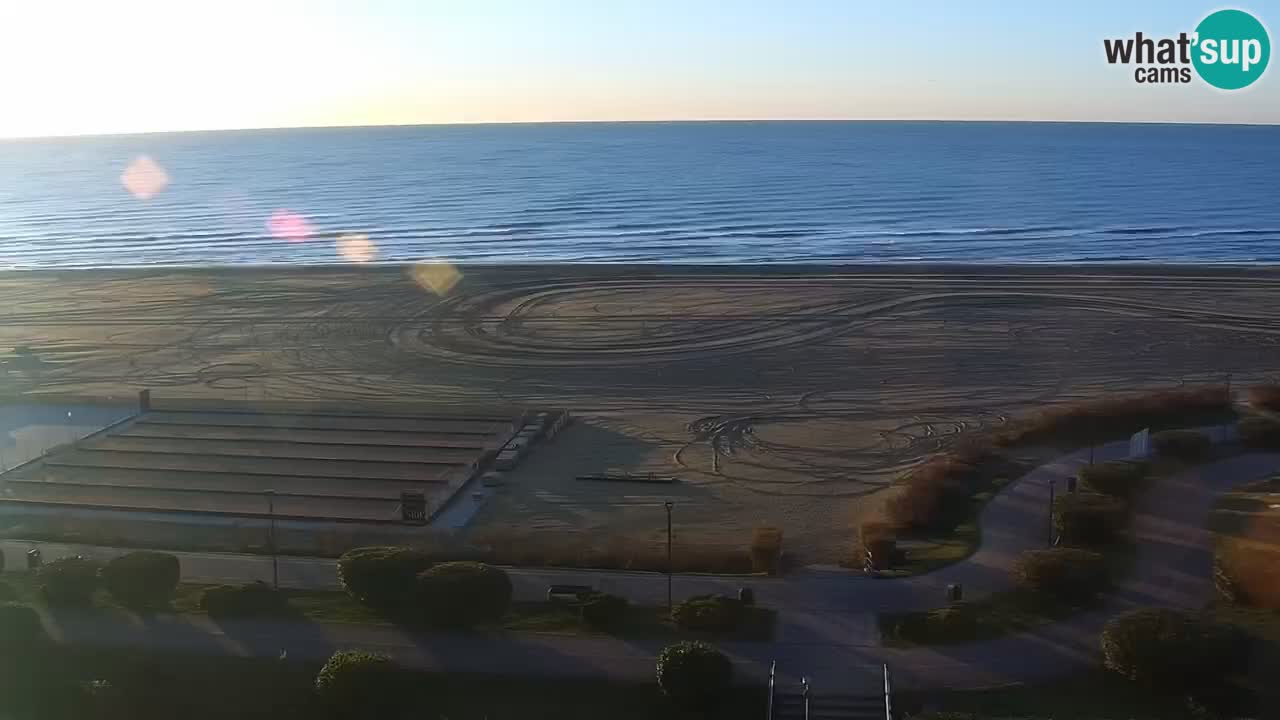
[87, 67]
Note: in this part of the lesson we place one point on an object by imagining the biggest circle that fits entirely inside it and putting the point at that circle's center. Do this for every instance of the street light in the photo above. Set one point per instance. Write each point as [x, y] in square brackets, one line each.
[271, 538]
[668, 505]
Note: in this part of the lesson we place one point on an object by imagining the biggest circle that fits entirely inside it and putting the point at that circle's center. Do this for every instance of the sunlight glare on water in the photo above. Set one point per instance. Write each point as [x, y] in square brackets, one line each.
[290, 226]
[144, 178]
[357, 248]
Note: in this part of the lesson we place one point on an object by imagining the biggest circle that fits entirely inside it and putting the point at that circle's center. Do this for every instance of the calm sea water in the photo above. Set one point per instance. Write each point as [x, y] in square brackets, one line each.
[698, 192]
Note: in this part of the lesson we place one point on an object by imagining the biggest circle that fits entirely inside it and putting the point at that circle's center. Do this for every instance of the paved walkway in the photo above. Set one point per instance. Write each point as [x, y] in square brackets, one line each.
[827, 620]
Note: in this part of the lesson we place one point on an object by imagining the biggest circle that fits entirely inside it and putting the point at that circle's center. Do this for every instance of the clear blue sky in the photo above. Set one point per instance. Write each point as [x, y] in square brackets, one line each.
[142, 65]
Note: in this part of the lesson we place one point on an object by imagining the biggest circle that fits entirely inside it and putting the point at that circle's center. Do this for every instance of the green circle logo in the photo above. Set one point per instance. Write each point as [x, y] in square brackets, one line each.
[1232, 49]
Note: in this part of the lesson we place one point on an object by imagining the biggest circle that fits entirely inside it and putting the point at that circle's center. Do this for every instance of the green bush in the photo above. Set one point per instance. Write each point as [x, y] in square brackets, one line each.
[949, 625]
[1170, 651]
[1260, 433]
[20, 631]
[256, 599]
[462, 594]
[1118, 478]
[354, 684]
[1089, 519]
[709, 613]
[1065, 575]
[694, 675]
[142, 579]
[381, 576]
[604, 611]
[69, 581]
[1181, 444]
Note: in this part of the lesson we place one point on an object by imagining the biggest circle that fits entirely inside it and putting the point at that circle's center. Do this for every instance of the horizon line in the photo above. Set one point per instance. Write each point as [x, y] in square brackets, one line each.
[686, 121]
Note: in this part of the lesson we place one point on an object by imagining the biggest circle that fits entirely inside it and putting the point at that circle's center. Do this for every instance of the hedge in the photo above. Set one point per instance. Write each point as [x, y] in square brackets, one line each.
[142, 579]
[1065, 575]
[934, 497]
[603, 611]
[709, 613]
[255, 599]
[69, 581]
[1117, 478]
[1266, 397]
[694, 675]
[1181, 444]
[1248, 575]
[1169, 650]
[354, 684]
[1089, 519]
[462, 594]
[382, 576]
[1260, 433]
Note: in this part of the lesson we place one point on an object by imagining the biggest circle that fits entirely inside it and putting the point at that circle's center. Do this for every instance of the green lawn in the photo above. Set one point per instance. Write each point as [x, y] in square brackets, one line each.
[143, 686]
[528, 617]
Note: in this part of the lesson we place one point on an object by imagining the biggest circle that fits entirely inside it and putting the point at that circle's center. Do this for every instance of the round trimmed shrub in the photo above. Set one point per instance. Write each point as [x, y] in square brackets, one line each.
[356, 684]
[604, 611]
[1118, 478]
[69, 581]
[256, 599]
[20, 631]
[1089, 518]
[1181, 444]
[709, 613]
[1062, 574]
[1170, 650]
[1260, 433]
[381, 576]
[694, 675]
[462, 594]
[142, 580]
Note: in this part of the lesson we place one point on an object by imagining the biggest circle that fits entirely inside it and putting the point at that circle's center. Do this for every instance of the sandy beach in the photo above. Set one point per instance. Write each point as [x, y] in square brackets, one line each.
[777, 396]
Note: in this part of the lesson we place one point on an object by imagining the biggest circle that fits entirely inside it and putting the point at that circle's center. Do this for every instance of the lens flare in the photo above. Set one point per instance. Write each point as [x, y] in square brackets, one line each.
[290, 226]
[438, 276]
[357, 248]
[144, 178]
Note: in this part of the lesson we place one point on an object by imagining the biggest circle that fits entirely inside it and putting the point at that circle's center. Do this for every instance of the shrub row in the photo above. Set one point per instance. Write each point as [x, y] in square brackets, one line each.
[405, 581]
[1118, 478]
[1089, 519]
[1064, 575]
[935, 496]
[1266, 397]
[138, 580]
[358, 684]
[1181, 444]
[1260, 433]
[256, 599]
[709, 613]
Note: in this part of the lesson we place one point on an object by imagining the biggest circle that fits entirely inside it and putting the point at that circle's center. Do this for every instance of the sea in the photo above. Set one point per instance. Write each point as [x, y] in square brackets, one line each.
[707, 192]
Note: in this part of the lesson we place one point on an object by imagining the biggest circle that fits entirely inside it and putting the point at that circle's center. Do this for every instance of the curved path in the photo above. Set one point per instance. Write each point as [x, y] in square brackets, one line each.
[827, 626]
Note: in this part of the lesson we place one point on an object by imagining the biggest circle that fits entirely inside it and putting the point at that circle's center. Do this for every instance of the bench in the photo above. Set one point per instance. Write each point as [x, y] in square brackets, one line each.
[568, 593]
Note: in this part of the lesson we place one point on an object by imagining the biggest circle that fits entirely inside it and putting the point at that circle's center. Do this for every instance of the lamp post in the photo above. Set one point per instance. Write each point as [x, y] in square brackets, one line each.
[668, 505]
[271, 538]
[1051, 491]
